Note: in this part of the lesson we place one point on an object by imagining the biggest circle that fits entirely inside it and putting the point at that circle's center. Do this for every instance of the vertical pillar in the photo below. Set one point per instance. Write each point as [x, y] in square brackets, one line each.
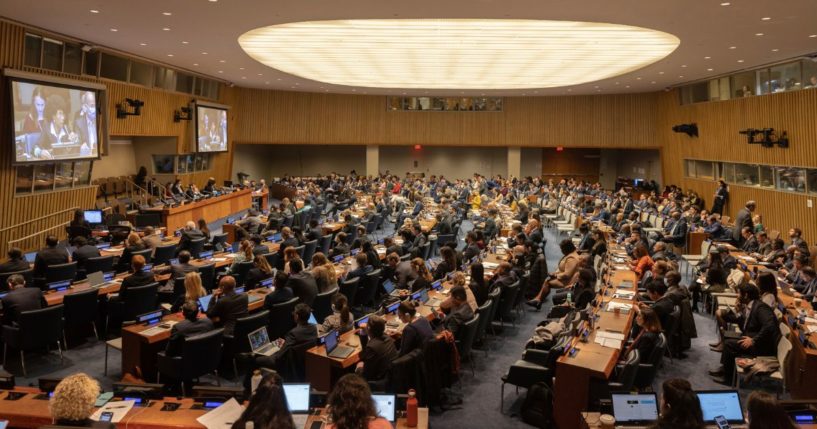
[372, 160]
[514, 161]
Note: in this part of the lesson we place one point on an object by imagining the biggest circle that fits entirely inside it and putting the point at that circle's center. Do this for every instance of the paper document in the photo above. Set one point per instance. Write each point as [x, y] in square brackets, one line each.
[624, 294]
[118, 408]
[300, 420]
[223, 416]
[219, 259]
[811, 321]
[811, 328]
[610, 334]
[490, 265]
[608, 342]
[611, 306]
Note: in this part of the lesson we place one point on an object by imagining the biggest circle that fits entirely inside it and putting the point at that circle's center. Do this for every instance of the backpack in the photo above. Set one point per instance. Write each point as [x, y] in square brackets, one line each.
[537, 409]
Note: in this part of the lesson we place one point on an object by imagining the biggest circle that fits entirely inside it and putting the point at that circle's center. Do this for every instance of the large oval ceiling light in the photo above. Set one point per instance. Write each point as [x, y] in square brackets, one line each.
[456, 53]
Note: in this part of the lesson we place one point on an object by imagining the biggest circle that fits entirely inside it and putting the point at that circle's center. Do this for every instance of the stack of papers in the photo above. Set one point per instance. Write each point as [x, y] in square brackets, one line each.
[223, 416]
[624, 294]
[609, 339]
[611, 306]
[490, 265]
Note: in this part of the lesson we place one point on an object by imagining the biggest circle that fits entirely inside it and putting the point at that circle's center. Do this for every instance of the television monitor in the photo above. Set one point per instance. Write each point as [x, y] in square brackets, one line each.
[211, 128]
[94, 217]
[55, 119]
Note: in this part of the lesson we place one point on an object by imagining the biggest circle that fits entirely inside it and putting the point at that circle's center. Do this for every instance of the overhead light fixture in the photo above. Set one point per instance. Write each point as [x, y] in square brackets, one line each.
[93, 11]
[813, 36]
[709, 69]
[166, 29]
[775, 50]
[706, 58]
[166, 13]
[765, 18]
[114, 30]
[185, 42]
[143, 44]
[740, 61]
[733, 47]
[726, 3]
[758, 34]
[456, 53]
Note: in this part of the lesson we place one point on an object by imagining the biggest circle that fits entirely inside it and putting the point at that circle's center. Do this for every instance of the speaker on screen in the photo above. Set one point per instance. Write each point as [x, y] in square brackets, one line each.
[211, 128]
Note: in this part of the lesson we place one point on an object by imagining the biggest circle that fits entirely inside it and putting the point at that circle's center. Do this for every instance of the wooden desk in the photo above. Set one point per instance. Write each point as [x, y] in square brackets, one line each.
[263, 196]
[210, 208]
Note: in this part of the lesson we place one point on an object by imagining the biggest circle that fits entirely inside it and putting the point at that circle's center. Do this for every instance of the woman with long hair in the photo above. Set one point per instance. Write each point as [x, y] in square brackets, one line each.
[261, 270]
[204, 228]
[351, 405]
[641, 262]
[680, 408]
[477, 283]
[324, 272]
[268, 407]
[244, 254]
[423, 276]
[341, 317]
[448, 263]
[647, 338]
[764, 412]
[193, 290]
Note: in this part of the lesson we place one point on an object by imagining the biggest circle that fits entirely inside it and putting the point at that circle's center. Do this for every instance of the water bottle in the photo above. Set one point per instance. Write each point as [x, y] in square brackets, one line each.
[569, 298]
[411, 409]
[256, 380]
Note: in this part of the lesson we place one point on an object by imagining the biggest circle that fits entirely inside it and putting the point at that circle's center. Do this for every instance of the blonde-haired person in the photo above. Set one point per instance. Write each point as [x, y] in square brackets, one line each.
[324, 272]
[193, 290]
[244, 254]
[261, 270]
[73, 402]
[458, 279]
[133, 243]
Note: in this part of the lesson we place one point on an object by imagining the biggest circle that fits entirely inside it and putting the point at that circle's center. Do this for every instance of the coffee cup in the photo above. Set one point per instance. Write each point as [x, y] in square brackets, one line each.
[607, 421]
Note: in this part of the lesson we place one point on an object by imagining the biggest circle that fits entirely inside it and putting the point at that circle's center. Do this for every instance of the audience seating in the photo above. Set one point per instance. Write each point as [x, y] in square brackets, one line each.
[208, 276]
[239, 342]
[36, 329]
[61, 272]
[349, 289]
[784, 347]
[280, 318]
[524, 373]
[322, 307]
[163, 254]
[81, 310]
[649, 365]
[466, 341]
[100, 263]
[201, 355]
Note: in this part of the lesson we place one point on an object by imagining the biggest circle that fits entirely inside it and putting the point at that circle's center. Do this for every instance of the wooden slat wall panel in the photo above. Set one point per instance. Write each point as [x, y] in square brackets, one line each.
[718, 124]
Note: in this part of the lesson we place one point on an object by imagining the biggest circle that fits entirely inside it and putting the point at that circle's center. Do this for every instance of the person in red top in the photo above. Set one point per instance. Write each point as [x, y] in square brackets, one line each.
[641, 262]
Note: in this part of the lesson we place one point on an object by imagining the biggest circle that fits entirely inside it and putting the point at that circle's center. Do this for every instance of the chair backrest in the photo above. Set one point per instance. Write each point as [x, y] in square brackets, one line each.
[629, 370]
[146, 253]
[469, 332]
[506, 301]
[309, 250]
[140, 300]
[178, 288]
[326, 243]
[288, 221]
[425, 250]
[484, 312]
[280, 319]
[444, 239]
[773, 234]
[218, 241]
[163, 254]
[647, 370]
[783, 348]
[39, 328]
[301, 250]
[60, 272]
[243, 327]
[523, 289]
[81, 307]
[349, 289]
[28, 275]
[784, 330]
[208, 276]
[196, 246]
[322, 306]
[370, 226]
[78, 231]
[367, 292]
[272, 259]
[241, 270]
[100, 263]
[493, 296]
[295, 370]
[201, 354]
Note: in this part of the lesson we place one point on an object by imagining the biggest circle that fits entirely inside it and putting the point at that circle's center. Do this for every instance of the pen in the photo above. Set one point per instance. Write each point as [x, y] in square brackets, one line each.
[116, 407]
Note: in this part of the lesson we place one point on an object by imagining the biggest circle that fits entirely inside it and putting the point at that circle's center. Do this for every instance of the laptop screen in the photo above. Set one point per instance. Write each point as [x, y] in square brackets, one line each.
[258, 338]
[93, 216]
[331, 341]
[363, 320]
[635, 408]
[147, 268]
[109, 276]
[393, 307]
[204, 302]
[337, 259]
[297, 397]
[96, 278]
[30, 257]
[388, 285]
[437, 285]
[386, 406]
[420, 295]
[101, 246]
[267, 283]
[355, 251]
[721, 403]
[206, 255]
[312, 319]
[276, 237]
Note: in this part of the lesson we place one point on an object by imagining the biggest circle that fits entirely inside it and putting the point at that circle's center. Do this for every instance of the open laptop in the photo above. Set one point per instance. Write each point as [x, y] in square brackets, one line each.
[297, 395]
[724, 403]
[260, 343]
[99, 279]
[785, 287]
[205, 301]
[390, 288]
[635, 409]
[386, 406]
[331, 341]
[30, 257]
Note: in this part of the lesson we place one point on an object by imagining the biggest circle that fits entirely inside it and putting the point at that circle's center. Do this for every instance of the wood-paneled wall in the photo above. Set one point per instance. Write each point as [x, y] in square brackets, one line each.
[718, 126]
[577, 163]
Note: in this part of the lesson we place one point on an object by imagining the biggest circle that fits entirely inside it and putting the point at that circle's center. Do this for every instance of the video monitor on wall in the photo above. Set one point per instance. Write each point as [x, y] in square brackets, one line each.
[211, 128]
[55, 120]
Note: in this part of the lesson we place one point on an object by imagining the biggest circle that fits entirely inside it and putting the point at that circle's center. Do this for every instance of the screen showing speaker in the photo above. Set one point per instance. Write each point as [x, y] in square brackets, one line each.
[54, 122]
[211, 129]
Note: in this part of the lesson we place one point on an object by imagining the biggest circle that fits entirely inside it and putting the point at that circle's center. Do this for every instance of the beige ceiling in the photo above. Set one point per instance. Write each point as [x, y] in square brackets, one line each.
[706, 28]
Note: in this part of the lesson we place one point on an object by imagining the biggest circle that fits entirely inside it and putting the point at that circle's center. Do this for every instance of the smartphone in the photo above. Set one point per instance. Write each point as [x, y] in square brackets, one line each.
[722, 422]
[106, 416]
[318, 424]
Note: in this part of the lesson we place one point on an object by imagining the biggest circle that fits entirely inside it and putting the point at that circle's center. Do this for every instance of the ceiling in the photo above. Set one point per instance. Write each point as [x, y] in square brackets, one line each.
[717, 36]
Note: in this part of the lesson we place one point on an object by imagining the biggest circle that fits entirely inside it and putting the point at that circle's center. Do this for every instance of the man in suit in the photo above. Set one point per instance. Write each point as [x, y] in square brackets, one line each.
[749, 241]
[363, 267]
[138, 278]
[191, 326]
[183, 266]
[714, 227]
[85, 124]
[471, 248]
[460, 312]
[302, 283]
[287, 240]
[490, 224]
[376, 358]
[226, 305]
[20, 299]
[189, 234]
[760, 333]
[15, 263]
[662, 304]
[83, 251]
[797, 241]
[315, 231]
[252, 223]
[586, 240]
[282, 292]
[677, 234]
[809, 279]
[764, 245]
[50, 255]
[743, 220]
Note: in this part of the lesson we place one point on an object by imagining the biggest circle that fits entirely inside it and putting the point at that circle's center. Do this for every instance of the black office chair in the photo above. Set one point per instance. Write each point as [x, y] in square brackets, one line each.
[326, 244]
[78, 231]
[163, 254]
[524, 373]
[145, 253]
[322, 307]
[239, 341]
[301, 250]
[288, 221]
[506, 301]
[367, 290]
[173, 295]
[241, 270]
[28, 275]
[309, 250]
[443, 239]
[494, 298]
[484, 313]
[100, 263]
[425, 250]
[208, 276]
[219, 241]
[649, 365]
[519, 300]
[293, 366]
[201, 355]
[36, 329]
[466, 341]
[349, 289]
[197, 246]
[81, 309]
[61, 272]
[139, 300]
[627, 372]
[272, 259]
[280, 319]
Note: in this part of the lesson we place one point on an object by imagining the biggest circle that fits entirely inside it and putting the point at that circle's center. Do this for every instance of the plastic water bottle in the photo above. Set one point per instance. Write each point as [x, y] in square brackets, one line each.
[569, 298]
[411, 409]
[256, 380]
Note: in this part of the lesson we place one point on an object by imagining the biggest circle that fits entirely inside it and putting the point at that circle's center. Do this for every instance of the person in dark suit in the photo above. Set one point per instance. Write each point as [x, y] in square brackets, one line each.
[797, 242]
[677, 234]
[742, 220]
[191, 325]
[471, 248]
[448, 263]
[760, 332]
[83, 251]
[341, 248]
[302, 283]
[15, 263]
[661, 304]
[749, 241]
[417, 331]
[189, 234]
[649, 328]
[490, 224]
[226, 305]
[138, 278]
[50, 255]
[287, 240]
[301, 335]
[315, 232]
[586, 241]
[376, 358]
[720, 198]
[133, 244]
[282, 292]
[183, 267]
[85, 124]
[363, 267]
[20, 299]
[460, 312]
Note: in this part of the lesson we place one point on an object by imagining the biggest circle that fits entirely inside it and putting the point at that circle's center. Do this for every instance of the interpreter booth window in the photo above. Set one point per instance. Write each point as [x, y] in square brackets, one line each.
[114, 67]
[82, 173]
[766, 176]
[64, 176]
[811, 178]
[763, 82]
[705, 169]
[141, 73]
[746, 174]
[791, 179]
[743, 84]
[689, 168]
[727, 172]
[43, 177]
[181, 165]
[785, 77]
[25, 179]
[163, 164]
[52, 54]
[33, 50]
[809, 74]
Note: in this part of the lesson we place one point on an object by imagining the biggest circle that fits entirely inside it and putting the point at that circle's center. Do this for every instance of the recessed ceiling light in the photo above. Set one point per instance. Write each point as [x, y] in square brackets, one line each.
[598, 86]
[638, 78]
[260, 74]
[683, 66]
[195, 64]
[222, 61]
[733, 47]
[213, 1]
[354, 90]
[740, 61]
[114, 30]
[758, 34]
[143, 44]
[279, 78]
[169, 55]
[765, 18]
[166, 29]
[480, 53]
[267, 82]
[681, 77]
[709, 69]
[617, 83]
[241, 68]
[775, 50]
[726, 3]
[166, 13]
[660, 72]
[184, 42]
[243, 77]
[569, 90]
[296, 83]
[813, 36]
[707, 58]
[625, 87]
[93, 11]
[653, 82]
[221, 71]
[204, 53]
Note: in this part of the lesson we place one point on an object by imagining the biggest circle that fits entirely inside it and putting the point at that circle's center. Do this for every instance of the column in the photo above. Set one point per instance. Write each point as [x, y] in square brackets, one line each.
[514, 161]
[372, 160]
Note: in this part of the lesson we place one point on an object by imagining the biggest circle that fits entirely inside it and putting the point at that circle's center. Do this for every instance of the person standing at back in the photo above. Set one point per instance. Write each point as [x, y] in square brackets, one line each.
[743, 220]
